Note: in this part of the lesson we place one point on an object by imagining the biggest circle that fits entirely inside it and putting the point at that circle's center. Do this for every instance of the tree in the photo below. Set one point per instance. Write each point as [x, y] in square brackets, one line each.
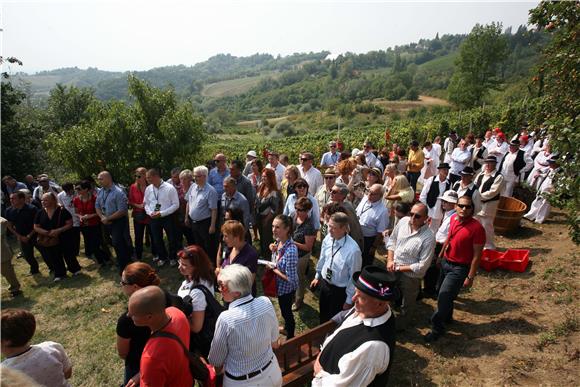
[477, 65]
[558, 104]
[155, 131]
[67, 106]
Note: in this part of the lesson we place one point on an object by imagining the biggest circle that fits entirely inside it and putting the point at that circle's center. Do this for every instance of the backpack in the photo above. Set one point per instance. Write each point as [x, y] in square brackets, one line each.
[202, 340]
[179, 303]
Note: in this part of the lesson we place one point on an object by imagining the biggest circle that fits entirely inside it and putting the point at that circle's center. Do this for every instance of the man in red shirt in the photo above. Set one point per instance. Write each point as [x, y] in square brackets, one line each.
[163, 362]
[462, 253]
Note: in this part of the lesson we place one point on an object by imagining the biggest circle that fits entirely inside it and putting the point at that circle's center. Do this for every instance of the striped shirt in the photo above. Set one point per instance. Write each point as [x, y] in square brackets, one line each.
[413, 248]
[244, 334]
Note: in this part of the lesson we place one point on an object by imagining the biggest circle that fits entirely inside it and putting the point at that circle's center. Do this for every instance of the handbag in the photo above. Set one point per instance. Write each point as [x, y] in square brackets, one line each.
[49, 240]
[269, 283]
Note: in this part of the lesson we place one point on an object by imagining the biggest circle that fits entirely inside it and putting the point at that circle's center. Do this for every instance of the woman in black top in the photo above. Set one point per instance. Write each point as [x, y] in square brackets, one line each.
[304, 237]
[131, 339]
[55, 221]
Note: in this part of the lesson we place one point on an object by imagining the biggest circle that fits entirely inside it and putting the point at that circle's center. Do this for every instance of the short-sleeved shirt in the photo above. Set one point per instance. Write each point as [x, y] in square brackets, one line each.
[202, 200]
[45, 363]
[111, 200]
[163, 363]
[127, 329]
[22, 219]
[86, 208]
[462, 237]
[198, 301]
[216, 180]
[248, 257]
[301, 231]
[59, 218]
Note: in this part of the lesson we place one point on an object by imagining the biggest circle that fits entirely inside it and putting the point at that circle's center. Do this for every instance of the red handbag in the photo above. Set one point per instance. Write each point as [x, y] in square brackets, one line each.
[269, 283]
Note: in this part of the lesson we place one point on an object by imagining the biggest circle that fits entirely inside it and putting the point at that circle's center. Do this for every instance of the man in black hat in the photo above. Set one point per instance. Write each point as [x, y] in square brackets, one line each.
[360, 350]
[515, 164]
[432, 189]
[489, 184]
[465, 186]
[478, 154]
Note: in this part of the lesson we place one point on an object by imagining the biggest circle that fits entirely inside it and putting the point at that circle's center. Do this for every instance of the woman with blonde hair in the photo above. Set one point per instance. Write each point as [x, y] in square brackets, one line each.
[287, 188]
[400, 191]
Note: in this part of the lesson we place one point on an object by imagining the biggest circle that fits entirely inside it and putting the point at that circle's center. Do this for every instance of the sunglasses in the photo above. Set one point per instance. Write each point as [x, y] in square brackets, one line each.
[333, 146]
[464, 206]
[305, 159]
[300, 186]
[300, 209]
[415, 215]
[329, 177]
[124, 283]
[137, 176]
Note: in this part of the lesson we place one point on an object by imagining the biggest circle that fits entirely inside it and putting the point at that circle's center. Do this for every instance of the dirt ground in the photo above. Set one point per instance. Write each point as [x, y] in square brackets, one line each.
[511, 328]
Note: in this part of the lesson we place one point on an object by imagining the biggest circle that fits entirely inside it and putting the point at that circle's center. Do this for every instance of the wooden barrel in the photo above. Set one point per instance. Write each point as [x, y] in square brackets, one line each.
[509, 214]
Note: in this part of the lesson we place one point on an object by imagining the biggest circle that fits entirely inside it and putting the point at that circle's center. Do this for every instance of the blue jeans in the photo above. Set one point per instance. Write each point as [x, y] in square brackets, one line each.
[451, 278]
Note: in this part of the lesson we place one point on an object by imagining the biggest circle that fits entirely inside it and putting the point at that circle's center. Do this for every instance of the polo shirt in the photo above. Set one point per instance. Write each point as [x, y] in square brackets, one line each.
[202, 200]
[163, 363]
[462, 237]
[329, 159]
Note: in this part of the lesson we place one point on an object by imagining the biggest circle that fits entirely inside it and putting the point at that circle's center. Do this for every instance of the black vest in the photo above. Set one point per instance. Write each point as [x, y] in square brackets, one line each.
[487, 186]
[479, 155]
[434, 193]
[349, 339]
[519, 162]
[469, 191]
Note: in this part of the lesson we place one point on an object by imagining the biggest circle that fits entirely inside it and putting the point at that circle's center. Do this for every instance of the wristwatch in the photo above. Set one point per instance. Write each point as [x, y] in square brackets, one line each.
[470, 278]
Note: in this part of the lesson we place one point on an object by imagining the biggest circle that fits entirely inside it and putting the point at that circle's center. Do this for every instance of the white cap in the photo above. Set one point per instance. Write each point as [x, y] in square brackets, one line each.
[449, 197]
[355, 152]
[252, 153]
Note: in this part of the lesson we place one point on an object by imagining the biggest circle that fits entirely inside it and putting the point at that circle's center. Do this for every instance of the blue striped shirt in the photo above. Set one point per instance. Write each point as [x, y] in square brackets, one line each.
[244, 334]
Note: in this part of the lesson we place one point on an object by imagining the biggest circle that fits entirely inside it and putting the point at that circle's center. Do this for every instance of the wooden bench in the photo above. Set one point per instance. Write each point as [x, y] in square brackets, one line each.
[297, 355]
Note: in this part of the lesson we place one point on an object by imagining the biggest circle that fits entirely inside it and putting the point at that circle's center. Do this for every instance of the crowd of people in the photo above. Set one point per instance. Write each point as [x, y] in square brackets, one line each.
[430, 210]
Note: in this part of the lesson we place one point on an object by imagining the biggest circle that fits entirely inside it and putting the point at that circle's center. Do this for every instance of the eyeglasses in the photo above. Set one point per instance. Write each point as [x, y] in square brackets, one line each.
[138, 176]
[329, 177]
[300, 209]
[221, 286]
[300, 186]
[464, 206]
[415, 215]
[124, 283]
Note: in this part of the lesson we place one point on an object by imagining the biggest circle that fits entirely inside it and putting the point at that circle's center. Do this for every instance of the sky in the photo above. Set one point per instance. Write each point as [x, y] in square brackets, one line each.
[126, 35]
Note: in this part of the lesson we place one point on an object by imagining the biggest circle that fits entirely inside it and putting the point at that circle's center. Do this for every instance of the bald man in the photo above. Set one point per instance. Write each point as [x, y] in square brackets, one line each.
[409, 254]
[111, 206]
[163, 362]
[373, 218]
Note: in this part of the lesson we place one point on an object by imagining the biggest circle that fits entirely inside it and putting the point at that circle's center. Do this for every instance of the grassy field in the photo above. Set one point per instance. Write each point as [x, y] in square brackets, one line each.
[233, 86]
[511, 328]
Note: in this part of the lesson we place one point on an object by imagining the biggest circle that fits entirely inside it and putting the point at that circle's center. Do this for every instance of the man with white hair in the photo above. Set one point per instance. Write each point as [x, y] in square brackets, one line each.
[201, 209]
[460, 157]
[373, 218]
[245, 334]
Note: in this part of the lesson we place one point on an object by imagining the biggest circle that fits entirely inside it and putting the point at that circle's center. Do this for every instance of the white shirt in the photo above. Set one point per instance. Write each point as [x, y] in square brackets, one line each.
[67, 202]
[476, 197]
[45, 363]
[313, 177]
[434, 212]
[280, 169]
[459, 159]
[358, 368]
[437, 151]
[198, 301]
[507, 169]
[372, 217]
[449, 146]
[443, 231]
[489, 144]
[166, 196]
[498, 151]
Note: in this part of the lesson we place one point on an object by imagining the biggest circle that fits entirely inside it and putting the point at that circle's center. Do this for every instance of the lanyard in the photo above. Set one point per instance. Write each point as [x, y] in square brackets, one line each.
[154, 195]
[106, 196]
[333, 253]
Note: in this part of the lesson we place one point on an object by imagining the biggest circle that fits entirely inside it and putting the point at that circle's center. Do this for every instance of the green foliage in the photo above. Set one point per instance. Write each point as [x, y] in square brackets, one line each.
[558, 105]
[155, 131]
[67, 106]
[477, 66]
[21, 142]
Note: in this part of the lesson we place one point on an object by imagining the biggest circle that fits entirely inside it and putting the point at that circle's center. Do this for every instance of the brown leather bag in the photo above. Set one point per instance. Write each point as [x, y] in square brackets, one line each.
[47, 240]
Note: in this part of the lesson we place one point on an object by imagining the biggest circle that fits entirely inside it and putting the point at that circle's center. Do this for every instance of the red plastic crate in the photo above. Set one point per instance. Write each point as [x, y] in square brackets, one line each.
[490, 259]
[515, 260]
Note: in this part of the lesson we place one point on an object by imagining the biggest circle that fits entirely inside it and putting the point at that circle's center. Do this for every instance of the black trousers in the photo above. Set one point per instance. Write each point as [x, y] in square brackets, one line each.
[27, 250]
[119, 232]
[167, 224]
[413, 177]
[331, 300]
[140, 229]
[200, 235]
[94, 243]
[368, 253]
[432, 275]
[285, 301]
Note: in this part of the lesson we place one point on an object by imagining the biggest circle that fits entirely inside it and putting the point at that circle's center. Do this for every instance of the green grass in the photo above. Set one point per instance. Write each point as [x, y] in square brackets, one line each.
[233, 86]
[442, 64]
